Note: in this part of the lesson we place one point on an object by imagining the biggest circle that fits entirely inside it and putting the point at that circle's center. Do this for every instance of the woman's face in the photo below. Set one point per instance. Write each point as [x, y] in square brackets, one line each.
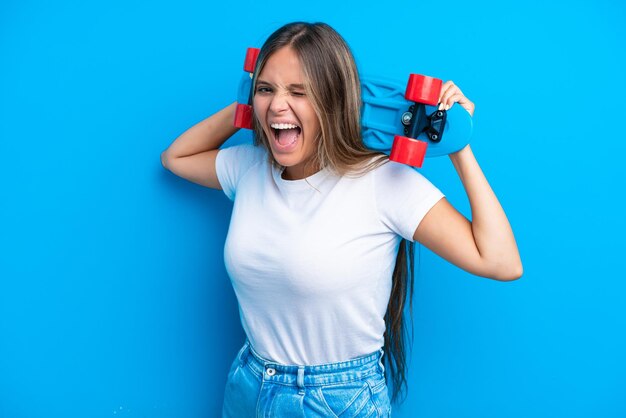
[286, 114]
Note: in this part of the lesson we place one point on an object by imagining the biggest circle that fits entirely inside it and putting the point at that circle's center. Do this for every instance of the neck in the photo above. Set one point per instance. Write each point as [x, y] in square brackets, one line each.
[300, 171]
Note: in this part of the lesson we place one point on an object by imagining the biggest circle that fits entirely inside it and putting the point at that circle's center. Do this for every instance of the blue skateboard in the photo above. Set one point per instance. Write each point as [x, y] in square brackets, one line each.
[402, 122]
[406, 123]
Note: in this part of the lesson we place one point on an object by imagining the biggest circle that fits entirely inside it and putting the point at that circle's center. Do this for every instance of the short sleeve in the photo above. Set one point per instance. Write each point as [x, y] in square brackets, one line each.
[403, 197]
[232, 164]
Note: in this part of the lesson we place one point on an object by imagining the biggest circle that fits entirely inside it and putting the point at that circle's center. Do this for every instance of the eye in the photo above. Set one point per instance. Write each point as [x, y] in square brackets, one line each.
[298, 93]
[263, 89]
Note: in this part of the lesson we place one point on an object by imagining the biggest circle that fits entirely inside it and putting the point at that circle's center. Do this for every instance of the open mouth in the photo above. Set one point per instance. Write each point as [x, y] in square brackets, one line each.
[286, 135]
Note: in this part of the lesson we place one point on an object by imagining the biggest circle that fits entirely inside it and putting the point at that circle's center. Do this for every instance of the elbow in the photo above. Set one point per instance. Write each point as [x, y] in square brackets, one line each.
[503, 271]
[165, 160]
[512, 272]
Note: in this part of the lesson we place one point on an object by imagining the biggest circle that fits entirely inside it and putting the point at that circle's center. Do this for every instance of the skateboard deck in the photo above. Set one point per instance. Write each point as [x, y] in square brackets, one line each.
[402, 122]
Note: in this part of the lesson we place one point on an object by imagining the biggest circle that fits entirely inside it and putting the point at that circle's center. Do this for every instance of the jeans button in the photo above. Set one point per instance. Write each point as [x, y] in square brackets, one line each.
[270, 371]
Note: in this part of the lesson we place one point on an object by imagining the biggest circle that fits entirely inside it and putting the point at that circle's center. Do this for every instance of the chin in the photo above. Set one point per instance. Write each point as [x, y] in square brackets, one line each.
[286, 160]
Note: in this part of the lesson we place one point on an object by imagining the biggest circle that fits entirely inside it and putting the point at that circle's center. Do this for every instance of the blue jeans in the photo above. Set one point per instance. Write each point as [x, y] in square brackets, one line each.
[257, 387]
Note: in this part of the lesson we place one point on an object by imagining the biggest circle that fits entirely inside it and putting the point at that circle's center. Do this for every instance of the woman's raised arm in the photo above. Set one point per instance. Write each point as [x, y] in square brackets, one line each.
[486, 245]
[192, 155]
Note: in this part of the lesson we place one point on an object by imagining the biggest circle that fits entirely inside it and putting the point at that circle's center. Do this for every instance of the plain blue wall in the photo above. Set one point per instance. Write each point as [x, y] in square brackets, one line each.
[113, 296]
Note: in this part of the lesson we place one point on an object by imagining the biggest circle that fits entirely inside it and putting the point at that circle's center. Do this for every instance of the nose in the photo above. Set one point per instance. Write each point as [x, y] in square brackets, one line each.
[279, 103]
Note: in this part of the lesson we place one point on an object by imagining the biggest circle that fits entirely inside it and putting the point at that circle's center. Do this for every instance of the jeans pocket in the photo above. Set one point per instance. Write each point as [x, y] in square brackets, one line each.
[348, 400]
[380, 395]
[233, 368]
[240, 393]
[236, 364]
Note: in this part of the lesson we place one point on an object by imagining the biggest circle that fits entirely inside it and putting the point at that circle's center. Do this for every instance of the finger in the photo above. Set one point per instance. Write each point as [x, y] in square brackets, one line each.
[463, 101]
[450, 91]
[451, 96]
[445, 86]
[456, 97]
[444, 89]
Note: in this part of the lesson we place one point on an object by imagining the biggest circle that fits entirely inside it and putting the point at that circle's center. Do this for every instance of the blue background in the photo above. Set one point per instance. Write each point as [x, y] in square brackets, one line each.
[113, 296]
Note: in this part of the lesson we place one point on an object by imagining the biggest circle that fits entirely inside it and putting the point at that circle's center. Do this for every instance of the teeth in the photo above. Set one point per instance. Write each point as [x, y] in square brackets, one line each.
[283, 126]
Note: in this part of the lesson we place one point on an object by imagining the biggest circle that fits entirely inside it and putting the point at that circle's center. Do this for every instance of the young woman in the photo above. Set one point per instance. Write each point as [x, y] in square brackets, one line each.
[319, 249]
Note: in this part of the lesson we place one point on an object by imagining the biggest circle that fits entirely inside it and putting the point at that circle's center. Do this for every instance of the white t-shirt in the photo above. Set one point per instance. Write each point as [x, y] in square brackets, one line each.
[311, 260]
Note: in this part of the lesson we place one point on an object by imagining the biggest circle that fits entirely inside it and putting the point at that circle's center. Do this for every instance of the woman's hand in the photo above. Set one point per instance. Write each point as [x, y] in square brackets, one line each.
[450, 94]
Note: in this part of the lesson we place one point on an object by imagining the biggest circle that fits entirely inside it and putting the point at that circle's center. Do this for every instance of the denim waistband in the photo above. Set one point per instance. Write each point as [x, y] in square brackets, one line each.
[315, 375]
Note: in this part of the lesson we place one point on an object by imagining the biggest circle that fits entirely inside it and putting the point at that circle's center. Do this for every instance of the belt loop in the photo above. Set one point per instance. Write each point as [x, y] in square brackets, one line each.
[380, 360]
[300, 379]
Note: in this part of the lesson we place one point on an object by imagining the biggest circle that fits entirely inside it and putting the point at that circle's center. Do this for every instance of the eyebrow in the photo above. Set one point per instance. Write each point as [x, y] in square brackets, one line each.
[293, 86]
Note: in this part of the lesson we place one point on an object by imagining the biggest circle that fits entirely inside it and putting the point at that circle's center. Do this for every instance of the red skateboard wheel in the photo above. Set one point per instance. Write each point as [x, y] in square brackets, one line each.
[250, 62]
[243, 116]
[408, 151]
[423, 89]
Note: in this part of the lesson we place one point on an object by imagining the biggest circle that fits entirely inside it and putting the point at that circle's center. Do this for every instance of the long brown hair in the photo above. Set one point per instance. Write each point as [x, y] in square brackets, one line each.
[334, 89]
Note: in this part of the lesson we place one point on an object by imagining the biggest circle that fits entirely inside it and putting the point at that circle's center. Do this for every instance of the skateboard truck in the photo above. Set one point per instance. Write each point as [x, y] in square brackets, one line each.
[421, 90]
[417, 121]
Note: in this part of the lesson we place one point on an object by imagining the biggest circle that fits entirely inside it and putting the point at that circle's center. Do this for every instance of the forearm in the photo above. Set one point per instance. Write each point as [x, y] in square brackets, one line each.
[206, 135]
[490, 227]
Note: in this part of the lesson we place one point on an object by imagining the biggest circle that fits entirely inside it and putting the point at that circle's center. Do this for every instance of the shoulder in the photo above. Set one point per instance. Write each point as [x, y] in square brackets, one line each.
[247, 151]
[395, 183]
[393, 172]
[403, 197]
[241, 157]
[386, 172]
[235, 163]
